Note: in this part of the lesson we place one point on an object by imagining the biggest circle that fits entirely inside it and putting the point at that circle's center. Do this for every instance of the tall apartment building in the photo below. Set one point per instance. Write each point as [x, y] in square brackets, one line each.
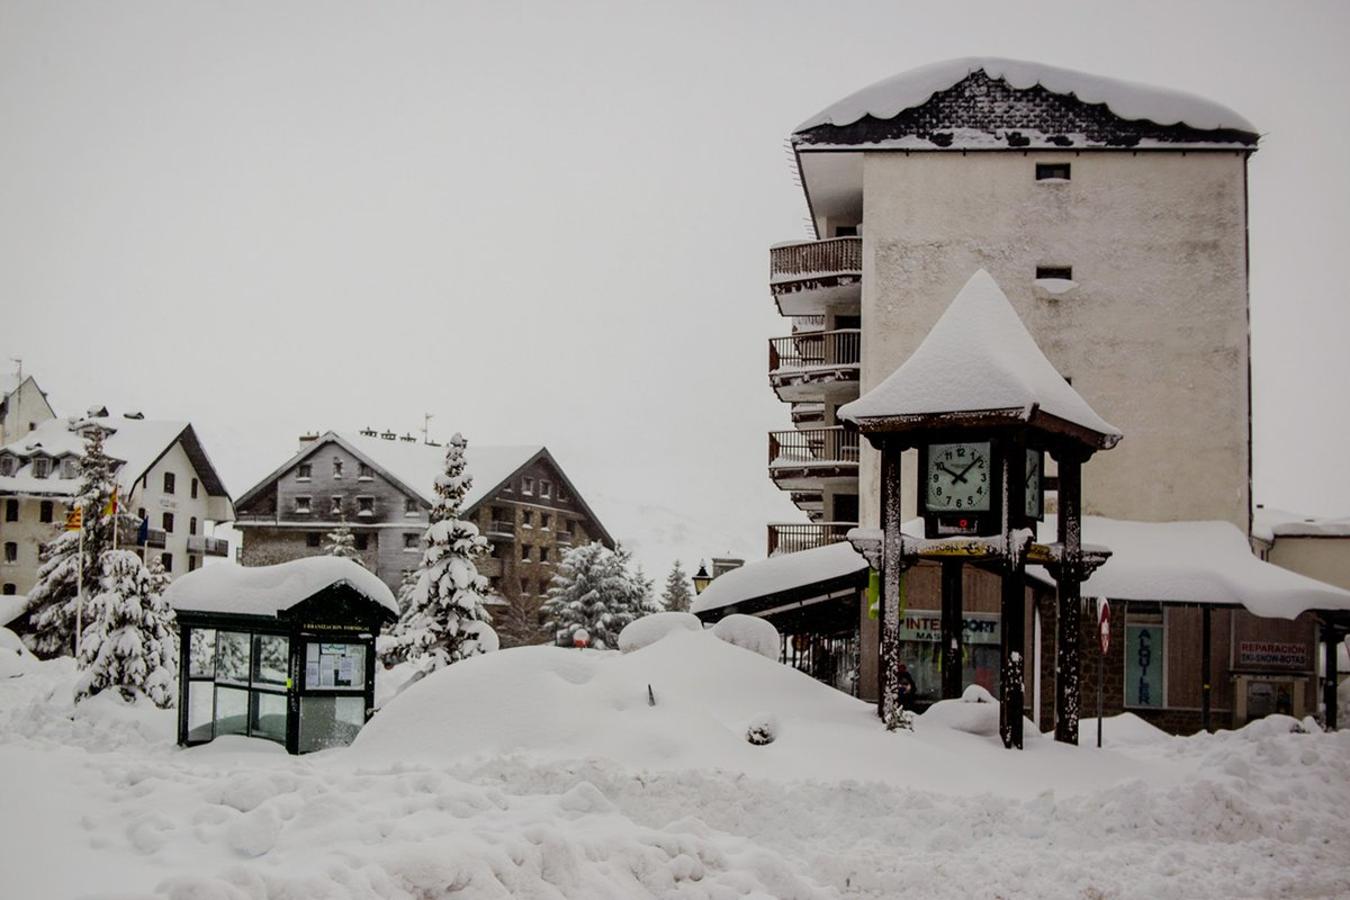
[1113, 215]
[163, 475]
[382, 486]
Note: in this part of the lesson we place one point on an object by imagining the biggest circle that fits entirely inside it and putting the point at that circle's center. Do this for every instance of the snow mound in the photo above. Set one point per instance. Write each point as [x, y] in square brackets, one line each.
[485, 634]
[751, 633]
[650, 629]
[15, 658]
[976, 713]
[763, 729]
[1124, 730]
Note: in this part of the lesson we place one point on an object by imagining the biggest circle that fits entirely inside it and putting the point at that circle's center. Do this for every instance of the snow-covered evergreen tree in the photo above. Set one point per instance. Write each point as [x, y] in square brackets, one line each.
[594, 590]
[677, 596]
[435, 629]
[130, 637]
[53, 600]
[406, 588]
[341, 542]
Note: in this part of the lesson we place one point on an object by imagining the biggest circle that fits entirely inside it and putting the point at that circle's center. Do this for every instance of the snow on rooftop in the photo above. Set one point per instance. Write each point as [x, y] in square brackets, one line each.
[417, 464]
[979, 356]
[889, 97]
[780, 573]
[137, 443]
[1194, 562]
[228, 587]
[1268, 524]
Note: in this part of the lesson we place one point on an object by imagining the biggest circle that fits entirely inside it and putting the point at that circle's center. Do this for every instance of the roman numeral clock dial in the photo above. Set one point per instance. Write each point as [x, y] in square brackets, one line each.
[958, 477]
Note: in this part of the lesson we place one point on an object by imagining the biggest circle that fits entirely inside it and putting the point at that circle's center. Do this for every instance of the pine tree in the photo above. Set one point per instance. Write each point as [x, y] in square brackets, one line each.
[594, 590]
[341, 542]
[53, 601]
[449, 592]
[406, 588]
[677, 597]
[130, 638]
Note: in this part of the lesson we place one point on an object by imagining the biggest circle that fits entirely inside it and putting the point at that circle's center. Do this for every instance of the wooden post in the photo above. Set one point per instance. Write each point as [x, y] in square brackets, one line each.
[1012, 606]
[184, 681]
[1067, 629]
[891, 520]
[952, 611]
[1206, 689]
[1332, 638]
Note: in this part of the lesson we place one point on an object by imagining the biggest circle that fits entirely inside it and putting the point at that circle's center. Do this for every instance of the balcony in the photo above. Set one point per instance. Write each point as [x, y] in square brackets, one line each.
[809, 459]
[208, 546]
[810, 502]
[811, 412]
[500, 530]
[155, 537]
[564, 538]
[794, 537]
[814, 365]
[808, 278]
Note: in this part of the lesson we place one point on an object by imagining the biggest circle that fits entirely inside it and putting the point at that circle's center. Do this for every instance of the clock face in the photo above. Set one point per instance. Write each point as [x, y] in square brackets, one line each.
[958, 477]
[1035, 497]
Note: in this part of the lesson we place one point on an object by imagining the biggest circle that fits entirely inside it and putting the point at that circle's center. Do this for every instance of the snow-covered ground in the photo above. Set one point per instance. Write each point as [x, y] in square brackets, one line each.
[544, 772]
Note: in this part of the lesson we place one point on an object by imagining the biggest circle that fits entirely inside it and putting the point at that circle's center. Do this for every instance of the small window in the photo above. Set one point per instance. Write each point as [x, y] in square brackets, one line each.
[524, 587]
[11, 510]
[313, 539]
[167, 520]
[192, 525]
[543, 554]
[45, 511]
[571, 526]
[42, 467]
[410, 540]
[1052, 171]
[545, 520]
[166, 560]
[140, 512]
[562, 495]
[527, 485]
[527, 518]
[365, 473]
[194, 489]
[335, 506]
[9, 589]
[304, 472]
[302, 504]
[1062, 273]
[193, 562]
[365, 506]
[545, 489]
[11, 552]
[410, 507]
[337, 467]
[845, 231]
[362, 540]
[70, 467]
[525, 552]
[7, 466]
[168, 482]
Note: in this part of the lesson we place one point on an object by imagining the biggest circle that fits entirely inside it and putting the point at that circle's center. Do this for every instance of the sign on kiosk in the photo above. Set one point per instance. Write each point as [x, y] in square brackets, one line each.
[1104, 624]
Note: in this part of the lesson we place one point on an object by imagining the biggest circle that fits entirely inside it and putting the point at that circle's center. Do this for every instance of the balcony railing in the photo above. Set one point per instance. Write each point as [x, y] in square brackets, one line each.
[564, 537]
[155, 537]
[815, 259]
[829, 446]
[795, 537]
[809, 412]
[815, 350]
[209, 546]
[501, 529]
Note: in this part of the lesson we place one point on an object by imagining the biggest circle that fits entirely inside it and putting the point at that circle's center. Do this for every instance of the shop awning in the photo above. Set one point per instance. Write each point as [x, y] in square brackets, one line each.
[791, 577]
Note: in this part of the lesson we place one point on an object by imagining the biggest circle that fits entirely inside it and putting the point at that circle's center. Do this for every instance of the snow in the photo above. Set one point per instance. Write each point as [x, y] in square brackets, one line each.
[976, 712]
[1269, 523]
[1194, 562]
[136, 443]
[750, 633]
[1055, 286]
[979, 356]
[599, 795]
[418, 465]
[887, 98]
[651, 628]
[269, 590]
[11, 607]
[780, 573]
[15, 658]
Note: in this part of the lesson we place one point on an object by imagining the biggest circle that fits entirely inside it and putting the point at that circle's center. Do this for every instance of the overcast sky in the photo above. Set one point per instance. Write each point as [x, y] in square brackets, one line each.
[549, 223]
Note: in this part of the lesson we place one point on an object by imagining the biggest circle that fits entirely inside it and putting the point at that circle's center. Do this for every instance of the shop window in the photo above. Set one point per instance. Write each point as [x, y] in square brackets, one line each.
[1145, 660]
[168, 482]
[45, 511]
[921, 651]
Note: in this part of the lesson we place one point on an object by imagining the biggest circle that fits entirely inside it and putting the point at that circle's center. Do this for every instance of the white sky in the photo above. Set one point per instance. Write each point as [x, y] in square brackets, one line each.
[550, 222]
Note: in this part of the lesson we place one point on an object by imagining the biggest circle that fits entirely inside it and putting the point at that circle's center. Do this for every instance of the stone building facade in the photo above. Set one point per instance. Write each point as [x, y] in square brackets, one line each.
[381, 486]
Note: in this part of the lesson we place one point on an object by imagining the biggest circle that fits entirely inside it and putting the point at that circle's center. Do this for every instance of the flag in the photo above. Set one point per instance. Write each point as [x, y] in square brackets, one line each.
[74, 519]
[143, 532]
[111, 508]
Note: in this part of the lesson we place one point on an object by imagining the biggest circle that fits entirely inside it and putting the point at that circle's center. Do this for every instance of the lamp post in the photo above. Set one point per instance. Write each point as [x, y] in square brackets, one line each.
[701, 578]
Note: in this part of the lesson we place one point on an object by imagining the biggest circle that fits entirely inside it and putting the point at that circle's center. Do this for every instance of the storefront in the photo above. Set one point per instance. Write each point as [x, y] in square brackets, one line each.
[285, 653]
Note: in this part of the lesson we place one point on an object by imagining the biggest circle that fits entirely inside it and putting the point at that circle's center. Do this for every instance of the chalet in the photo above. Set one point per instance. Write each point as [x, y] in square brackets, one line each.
[381, 485]
[23, 407]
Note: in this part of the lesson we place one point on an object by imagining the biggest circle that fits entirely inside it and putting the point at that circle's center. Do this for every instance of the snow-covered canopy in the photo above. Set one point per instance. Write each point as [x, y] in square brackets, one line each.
[889, 97]
[1194, 562]
[779, 574]
[137, 443]
[979, 357]
[1268, 524]
[227, 587]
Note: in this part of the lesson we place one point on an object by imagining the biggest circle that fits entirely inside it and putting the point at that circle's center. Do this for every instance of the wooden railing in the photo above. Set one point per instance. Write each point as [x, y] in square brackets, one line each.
[795, 537]
[813, 446]
[809, 349]
[500, 527]
[815, 258]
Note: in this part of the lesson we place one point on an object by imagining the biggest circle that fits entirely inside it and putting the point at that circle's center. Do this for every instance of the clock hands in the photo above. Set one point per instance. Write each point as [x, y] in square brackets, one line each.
[973, 463]
[956, 476]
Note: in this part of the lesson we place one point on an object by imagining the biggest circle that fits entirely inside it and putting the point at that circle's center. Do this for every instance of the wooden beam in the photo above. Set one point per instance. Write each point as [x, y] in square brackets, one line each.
[892, 563]
[951, 629]
[1068, 577]
[1332, 638]
[1206, 689]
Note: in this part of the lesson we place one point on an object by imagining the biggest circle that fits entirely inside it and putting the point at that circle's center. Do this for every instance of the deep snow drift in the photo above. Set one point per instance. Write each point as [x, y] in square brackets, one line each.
[544, 772]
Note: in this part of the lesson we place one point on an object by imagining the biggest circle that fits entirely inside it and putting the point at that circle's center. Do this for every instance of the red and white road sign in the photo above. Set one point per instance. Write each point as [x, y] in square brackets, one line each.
[1104, 624]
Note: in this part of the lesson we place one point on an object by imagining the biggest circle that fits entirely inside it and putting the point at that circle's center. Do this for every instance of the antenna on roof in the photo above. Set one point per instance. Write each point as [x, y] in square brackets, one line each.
[426, 427]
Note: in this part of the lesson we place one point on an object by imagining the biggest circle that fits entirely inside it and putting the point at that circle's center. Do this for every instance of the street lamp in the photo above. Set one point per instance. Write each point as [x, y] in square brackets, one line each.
[701, 578]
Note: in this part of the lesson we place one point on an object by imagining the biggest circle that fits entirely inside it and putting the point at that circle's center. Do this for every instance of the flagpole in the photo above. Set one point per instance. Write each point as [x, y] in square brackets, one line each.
[79, 596]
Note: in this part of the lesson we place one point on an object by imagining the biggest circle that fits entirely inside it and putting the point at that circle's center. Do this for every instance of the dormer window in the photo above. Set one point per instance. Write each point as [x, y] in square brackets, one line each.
[7, 465]
[70, 467]
[1052, 171]
[42, 467]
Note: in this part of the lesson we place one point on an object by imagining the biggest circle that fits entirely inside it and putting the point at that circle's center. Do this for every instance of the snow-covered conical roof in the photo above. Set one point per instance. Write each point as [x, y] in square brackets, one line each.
[979, 358]
[889, 97]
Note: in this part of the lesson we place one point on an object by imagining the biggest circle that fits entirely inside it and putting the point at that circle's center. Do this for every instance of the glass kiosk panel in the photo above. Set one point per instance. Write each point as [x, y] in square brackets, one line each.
[334, 706]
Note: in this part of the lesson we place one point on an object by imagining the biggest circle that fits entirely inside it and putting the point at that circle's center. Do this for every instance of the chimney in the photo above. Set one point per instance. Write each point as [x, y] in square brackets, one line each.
[307, 439]
[724, 565]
